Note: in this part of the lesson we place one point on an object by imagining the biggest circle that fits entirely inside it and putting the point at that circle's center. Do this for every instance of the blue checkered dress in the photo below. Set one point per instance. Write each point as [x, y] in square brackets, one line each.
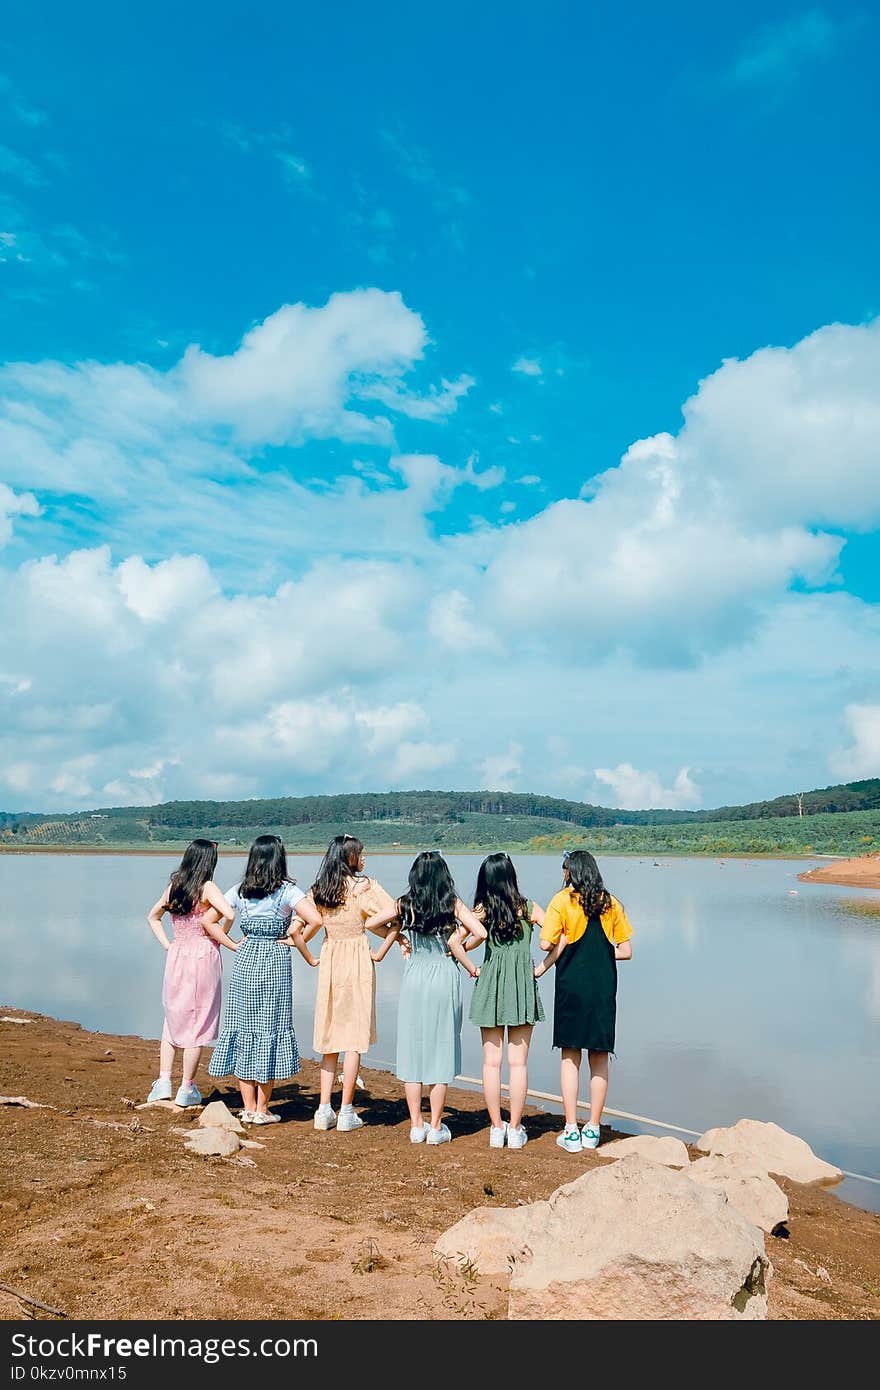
[257, 1041]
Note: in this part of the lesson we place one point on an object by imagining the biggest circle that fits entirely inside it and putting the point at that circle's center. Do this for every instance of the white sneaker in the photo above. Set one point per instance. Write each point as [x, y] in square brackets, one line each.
[516, 1138]
[590, 1136]
[348, 1120]
[570, 1139]
[419, 1133]
[497, 1135]
[443, 1135]
[246, 1116]
[265, 1117]
[325, 1117]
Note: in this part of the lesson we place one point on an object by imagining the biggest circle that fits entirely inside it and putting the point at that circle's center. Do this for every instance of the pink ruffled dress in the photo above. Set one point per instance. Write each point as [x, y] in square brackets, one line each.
[192, 985]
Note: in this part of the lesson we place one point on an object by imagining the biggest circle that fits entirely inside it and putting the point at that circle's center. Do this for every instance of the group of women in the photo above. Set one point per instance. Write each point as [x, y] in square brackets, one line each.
[584, 932]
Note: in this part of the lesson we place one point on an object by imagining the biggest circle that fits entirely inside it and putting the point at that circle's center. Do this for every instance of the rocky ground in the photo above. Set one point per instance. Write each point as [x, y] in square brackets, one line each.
[105, 1214]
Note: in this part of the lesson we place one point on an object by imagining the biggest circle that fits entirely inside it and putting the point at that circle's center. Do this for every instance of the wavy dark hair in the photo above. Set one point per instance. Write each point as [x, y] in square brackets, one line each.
[338, 867]
[504, 907]
[266, 868]
[586, 883]
[428, 906]
[196, 868]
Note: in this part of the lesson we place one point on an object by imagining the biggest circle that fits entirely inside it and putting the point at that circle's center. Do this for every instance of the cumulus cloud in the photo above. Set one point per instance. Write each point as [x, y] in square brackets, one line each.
[528, 366]
[500, 771]
[14, 504]
[862, 758]
[636, 791]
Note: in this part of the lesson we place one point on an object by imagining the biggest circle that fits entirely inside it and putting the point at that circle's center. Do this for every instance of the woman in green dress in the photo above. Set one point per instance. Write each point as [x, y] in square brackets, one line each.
[505, 994]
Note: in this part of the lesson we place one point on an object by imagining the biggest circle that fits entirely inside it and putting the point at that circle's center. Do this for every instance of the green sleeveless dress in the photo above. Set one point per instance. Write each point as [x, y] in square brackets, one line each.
[506, 993]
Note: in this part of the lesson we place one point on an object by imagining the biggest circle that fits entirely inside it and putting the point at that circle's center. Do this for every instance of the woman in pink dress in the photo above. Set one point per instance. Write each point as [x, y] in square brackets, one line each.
[193, 972]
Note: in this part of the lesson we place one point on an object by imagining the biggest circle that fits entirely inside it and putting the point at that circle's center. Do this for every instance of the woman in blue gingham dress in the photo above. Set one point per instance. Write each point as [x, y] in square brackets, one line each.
[257, 1043]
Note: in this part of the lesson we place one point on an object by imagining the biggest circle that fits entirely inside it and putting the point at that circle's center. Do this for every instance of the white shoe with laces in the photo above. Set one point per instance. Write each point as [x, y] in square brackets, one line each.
[443, 1135]
[497, 1135]
[265, 1117]
[516, 1138]
[348, 1120]
[325, 1117]
[419, 1133]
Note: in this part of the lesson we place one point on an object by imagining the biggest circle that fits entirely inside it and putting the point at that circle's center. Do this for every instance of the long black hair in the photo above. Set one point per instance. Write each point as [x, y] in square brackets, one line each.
[196, 869]
[338, 867]
[504, 906]
[428, 906]
[586, 883]
[266, 868]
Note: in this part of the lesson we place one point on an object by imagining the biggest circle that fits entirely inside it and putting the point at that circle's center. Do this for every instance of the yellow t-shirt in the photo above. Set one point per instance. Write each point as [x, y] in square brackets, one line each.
[565, 914]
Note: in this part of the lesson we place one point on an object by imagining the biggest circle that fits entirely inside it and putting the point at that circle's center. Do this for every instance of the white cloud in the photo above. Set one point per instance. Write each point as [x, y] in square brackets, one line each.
[14, 504]
[636, 791]
[528, 366]
[778, 52]
[451, 622]
[862, 758]
[500, 771]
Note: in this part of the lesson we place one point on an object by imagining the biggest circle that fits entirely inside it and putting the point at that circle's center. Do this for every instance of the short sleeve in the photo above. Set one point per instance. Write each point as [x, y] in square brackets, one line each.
[620, 928]
[292, 895]
[374, 899]
[231, 895]
[554, 918]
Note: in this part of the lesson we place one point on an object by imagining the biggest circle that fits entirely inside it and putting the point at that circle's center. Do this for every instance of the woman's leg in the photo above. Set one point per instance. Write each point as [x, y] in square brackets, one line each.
[413, 1093]
[264, 1095]
[569, 1076]
[438, 1100]
[191, 1058]
[248, 1095]
[329, 1063]
[598, 1085]
[166, 1058]
[350, 1068]
[518, 1039]
[493, 1049]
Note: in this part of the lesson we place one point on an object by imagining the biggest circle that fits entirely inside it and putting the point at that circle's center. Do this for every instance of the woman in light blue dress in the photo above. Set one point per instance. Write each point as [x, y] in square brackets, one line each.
[441, 930]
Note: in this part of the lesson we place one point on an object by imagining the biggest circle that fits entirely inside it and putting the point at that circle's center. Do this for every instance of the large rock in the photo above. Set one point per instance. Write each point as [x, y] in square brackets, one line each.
[747, 1187]
[672, 1153]
[217, 1115]
[770, 1148]
[635, 1240]
[489, 1237]
[213, 1141]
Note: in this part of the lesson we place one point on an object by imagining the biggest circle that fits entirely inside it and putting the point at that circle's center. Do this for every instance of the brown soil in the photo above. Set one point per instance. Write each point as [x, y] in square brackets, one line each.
[848, 873]
[104, 1214]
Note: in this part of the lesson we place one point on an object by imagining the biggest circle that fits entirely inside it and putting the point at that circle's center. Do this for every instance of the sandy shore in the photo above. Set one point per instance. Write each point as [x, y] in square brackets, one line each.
[104, 1213]
[847, 873]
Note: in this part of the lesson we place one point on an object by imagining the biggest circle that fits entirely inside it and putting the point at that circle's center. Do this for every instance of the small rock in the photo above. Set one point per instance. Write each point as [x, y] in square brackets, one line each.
[217, 1115]
[8, 1019]
[747, 1187]
[251, 1144]
[24, 1103]
[771, 1148]
[242, 1161]
[489, 1237]
[213, 1141]
[672, 1153]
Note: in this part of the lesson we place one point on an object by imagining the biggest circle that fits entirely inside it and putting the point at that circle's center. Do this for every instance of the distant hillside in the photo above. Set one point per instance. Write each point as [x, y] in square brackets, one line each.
[814, 821]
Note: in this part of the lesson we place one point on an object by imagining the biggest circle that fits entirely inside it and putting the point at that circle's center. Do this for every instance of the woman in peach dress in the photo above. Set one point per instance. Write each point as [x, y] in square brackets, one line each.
[345, 1007]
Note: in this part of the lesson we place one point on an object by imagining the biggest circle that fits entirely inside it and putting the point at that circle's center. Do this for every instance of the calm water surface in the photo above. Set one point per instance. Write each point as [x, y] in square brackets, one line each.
[749, 993]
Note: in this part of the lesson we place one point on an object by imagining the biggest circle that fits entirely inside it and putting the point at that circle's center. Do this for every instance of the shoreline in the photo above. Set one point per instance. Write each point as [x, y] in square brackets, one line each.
[863, 872]
[93, 1185]
[403, 851]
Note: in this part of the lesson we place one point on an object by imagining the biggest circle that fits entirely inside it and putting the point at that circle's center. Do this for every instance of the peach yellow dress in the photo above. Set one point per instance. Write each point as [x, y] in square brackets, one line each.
[345, 1007]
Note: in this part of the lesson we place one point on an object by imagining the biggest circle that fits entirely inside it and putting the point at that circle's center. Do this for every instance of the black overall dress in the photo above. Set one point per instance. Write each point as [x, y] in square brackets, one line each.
[585, 1008]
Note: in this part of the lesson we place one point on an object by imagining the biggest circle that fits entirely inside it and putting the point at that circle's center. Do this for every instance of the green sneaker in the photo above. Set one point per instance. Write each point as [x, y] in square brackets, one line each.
[570, 1140]
[590, 1137]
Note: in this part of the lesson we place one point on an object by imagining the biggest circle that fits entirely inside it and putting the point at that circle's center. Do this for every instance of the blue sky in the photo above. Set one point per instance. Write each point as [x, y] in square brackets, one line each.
[388, 539]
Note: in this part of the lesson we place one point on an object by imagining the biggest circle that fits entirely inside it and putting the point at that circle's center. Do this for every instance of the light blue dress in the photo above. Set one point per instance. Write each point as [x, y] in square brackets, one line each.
[429, 1013]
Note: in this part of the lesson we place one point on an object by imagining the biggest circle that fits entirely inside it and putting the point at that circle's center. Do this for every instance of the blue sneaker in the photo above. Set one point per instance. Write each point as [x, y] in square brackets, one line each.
[160, 1090]
[590, 1137]
[570, 1139]
[188, 1096]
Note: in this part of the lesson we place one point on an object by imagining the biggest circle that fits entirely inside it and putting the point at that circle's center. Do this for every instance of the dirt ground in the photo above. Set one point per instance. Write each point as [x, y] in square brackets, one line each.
[847, 873]
[104, 1213]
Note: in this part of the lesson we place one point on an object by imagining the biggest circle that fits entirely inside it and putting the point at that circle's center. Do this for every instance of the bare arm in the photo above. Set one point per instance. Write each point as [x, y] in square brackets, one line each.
[381, 919]
[457, 950]
[624, 951]
[154, 918]
[218, 929]
[305, 909]
[475, 933]
[552, 956]
[390, 938]
[297, 938]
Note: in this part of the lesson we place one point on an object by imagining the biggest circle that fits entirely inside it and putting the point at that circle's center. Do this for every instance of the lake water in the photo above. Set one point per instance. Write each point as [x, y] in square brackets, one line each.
[749, 993]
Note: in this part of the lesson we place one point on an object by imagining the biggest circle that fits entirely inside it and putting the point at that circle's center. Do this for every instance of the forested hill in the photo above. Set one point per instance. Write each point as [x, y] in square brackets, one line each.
[846, 814]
